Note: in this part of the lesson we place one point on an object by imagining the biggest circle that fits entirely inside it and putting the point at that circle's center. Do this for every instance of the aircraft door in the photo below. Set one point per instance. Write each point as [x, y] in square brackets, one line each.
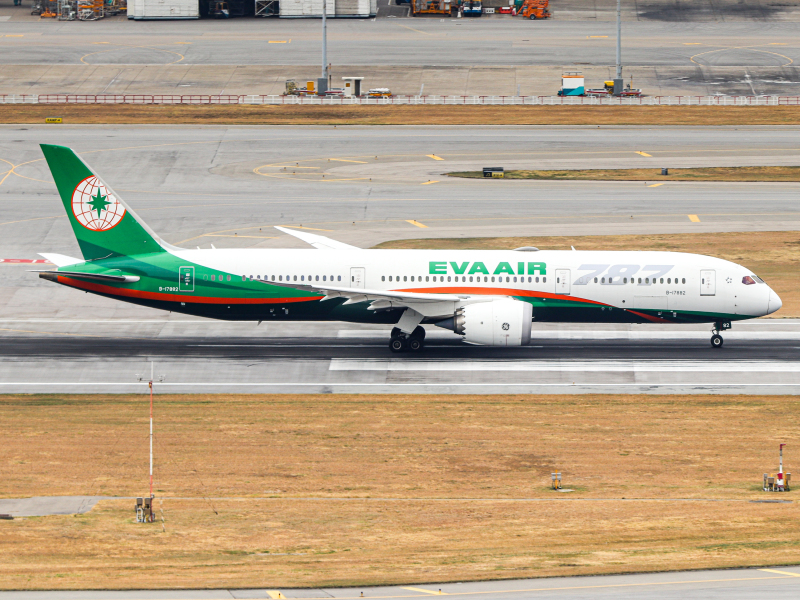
[357, 276]
[186, 279]
[562, 281]
[708, 283]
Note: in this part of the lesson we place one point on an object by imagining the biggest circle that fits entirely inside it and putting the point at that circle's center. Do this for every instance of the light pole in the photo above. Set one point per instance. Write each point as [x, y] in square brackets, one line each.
[618, 79]
[322, 82]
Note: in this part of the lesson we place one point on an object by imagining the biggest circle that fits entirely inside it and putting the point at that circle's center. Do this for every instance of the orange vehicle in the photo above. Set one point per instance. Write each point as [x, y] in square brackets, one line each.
[535, 9]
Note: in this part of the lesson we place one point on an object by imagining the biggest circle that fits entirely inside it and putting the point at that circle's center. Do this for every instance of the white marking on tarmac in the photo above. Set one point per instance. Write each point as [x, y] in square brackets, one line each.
[599, 366]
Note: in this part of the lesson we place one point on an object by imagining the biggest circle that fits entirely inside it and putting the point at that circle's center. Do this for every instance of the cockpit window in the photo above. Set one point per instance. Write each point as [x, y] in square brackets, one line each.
[747, 280]
[758, 279]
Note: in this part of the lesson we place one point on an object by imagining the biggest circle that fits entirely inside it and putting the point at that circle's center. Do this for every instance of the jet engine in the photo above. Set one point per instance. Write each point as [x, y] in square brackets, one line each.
[503, 322]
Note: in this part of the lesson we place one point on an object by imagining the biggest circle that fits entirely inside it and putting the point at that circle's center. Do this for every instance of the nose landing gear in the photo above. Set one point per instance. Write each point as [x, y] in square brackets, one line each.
[716, 338]
[400, 342]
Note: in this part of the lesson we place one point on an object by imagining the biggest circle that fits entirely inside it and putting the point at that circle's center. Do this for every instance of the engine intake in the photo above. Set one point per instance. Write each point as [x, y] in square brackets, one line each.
[503, 322]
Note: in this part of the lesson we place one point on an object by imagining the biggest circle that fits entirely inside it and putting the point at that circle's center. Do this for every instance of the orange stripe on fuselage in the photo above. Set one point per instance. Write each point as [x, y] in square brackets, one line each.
[113, 291]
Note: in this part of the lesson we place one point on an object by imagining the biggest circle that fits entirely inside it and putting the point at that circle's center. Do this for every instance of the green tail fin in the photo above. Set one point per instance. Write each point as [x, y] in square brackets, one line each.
[104, 225]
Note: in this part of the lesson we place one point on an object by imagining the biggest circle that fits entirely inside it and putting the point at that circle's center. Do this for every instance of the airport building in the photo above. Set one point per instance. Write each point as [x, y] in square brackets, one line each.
[194, 9]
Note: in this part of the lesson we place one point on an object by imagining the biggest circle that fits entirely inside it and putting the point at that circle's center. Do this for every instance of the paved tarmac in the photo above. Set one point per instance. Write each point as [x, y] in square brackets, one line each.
[47, 505]
[777, 583]
[228, 186]
[700, 48]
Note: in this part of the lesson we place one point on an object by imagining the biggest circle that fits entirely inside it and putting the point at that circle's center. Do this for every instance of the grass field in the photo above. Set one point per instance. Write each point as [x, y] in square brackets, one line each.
[774, 255]
[313, 490]
[694, 174]
[401, 115]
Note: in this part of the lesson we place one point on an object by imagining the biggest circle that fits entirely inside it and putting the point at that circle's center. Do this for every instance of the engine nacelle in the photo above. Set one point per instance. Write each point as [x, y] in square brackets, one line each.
[496, 323]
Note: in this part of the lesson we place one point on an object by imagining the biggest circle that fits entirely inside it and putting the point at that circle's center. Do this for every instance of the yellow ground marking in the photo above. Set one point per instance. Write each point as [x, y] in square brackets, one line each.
[14, 35]
[275, 594]
[692, 43]
[429, 182]
[413, 589]
[120, 46]
[101, 42]
[777, 44]
[752, 48]
[184, 43]
[301, 227]
[655, 185]
[260, 237]
[361, 162]
[694, 218]
[781, 572]
[278, 42]
[412, 29]
[416, 223]
[434, 157]
[596, 36]
[644, 154]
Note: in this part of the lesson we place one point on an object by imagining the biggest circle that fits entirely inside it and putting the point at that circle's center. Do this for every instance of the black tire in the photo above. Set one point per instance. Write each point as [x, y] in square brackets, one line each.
[419, 333]
[716, 341]
[533, 17]
[395, 332]
[398, 344]
[415, 344]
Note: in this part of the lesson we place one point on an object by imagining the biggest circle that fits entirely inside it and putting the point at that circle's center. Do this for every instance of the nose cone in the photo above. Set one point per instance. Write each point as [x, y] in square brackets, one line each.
[774, 302]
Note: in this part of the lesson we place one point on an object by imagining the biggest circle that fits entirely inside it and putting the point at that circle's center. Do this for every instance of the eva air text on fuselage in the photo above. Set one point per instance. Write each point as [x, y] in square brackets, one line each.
[479, 268]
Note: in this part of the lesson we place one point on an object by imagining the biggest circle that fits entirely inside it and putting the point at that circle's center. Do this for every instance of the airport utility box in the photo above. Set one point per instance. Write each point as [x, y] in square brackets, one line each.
[163, 9]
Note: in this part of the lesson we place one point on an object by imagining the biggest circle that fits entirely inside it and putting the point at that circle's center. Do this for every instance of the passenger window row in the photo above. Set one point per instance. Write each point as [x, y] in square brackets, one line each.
[292, 278]
[214, 277]
[465, 279]
[645, 280]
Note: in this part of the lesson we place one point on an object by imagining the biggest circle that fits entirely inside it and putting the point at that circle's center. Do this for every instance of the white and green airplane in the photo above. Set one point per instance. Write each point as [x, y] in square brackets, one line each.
[487, 297]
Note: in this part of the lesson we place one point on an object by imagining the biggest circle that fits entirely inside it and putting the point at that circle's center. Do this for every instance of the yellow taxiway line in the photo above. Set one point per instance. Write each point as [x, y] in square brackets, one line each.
[434, 157]
[694, 218]
[416, 223]
[644, 154]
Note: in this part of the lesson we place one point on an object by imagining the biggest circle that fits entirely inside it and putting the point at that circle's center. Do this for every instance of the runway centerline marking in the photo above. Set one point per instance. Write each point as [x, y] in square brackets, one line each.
[694, 218]
[434, 157]
[416, 223]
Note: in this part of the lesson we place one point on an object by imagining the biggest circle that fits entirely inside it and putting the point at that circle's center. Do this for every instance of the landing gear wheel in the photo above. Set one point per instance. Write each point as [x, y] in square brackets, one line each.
[533, 17]
[398, 344]
[419, 333]
[716, 341]
[415, 344]
[395, 332]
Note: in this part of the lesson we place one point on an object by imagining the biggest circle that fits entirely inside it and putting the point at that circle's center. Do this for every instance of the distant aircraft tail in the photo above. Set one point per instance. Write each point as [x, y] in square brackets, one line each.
[104, 225]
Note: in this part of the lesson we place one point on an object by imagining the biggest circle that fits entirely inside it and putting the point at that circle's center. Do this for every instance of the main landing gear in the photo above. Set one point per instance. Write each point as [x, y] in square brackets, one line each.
[716, 338]
[400, 342]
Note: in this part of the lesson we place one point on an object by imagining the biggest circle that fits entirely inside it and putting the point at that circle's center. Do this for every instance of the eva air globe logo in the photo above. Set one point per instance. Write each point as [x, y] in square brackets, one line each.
[95, 207]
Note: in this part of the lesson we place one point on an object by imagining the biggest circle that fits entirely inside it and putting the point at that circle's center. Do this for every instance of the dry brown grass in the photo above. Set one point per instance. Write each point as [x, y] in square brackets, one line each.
[399, 480]
[695, 174]
[402, 115]
[774, 255]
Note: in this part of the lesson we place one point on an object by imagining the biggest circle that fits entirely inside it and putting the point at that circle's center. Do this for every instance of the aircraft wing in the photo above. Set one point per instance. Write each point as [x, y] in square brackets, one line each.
[320, 242]
[425, 304]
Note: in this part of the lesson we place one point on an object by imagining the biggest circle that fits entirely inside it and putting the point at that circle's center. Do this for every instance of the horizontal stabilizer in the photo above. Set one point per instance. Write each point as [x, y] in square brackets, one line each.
[54, 275]
[61, 260]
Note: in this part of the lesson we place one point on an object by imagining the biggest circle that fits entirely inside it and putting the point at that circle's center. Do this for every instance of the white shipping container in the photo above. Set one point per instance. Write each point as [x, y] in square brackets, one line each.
[306, 8]
[163, 9]
[353, 8]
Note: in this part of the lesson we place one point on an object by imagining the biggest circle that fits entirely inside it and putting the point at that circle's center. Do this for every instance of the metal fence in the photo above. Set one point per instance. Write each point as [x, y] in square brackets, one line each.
[404, 100]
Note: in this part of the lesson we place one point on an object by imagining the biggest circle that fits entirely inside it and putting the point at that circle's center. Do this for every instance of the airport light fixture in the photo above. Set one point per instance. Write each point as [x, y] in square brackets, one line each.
[618, 79]
[151, 516]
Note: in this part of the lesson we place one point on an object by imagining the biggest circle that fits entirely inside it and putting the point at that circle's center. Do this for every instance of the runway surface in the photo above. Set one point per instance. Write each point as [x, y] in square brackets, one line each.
[69, 356]
[229, 186]
[733, 584]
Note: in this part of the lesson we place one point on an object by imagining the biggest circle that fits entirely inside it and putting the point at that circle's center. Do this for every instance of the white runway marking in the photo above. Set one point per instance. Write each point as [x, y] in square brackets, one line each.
[597, 366]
